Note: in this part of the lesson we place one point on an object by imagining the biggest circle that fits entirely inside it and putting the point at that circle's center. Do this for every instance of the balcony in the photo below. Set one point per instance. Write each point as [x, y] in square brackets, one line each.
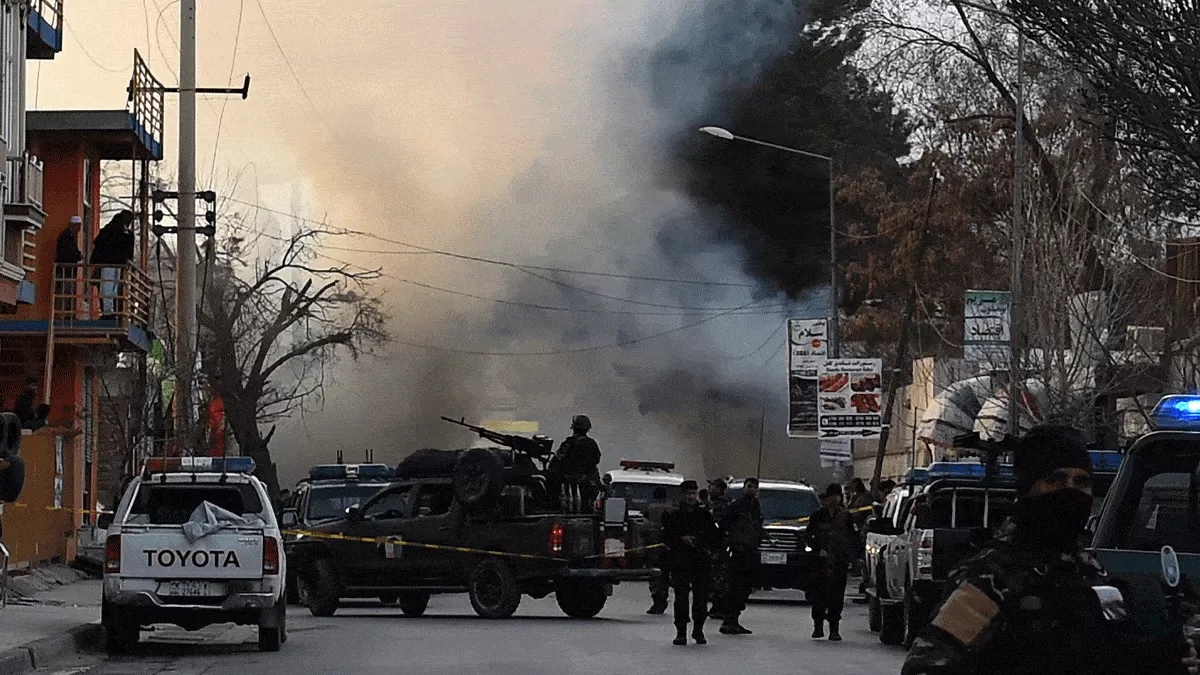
[24, 193]
[45, 21]
[95, 305]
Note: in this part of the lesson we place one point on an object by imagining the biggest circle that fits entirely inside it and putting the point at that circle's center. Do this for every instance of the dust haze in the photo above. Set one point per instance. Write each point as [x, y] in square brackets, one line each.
[542, 133]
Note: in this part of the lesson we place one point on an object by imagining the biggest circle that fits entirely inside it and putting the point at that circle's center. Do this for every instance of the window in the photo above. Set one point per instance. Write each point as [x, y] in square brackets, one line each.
[638, 496]
[331, 502]
[173, 503]
[435, 500]
[784, 504]
[389, 506]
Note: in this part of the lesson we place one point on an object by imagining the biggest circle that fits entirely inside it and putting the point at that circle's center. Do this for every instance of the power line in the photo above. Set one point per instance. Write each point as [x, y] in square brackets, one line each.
[85, 51]
[288, 62]
[237, 38]
[504, 263]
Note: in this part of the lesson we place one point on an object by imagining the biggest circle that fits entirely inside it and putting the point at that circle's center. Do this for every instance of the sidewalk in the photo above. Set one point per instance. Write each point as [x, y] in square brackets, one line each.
[59, 620]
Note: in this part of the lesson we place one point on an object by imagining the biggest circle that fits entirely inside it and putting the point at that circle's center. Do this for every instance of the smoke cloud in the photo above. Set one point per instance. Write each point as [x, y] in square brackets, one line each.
[543, 132]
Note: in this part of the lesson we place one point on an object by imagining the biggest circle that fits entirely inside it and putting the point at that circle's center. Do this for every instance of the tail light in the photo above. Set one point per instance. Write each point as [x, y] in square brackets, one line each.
[112, 554]
[270, 555]
[925, 555]
[555, 543]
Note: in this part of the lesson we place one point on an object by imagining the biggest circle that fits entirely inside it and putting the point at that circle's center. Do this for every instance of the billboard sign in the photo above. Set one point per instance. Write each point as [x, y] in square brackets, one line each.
[808, 344]
[850, 398]
[987, 327]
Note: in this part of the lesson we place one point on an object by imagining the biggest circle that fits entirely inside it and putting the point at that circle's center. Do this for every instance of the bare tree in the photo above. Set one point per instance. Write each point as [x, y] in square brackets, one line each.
[273, 321]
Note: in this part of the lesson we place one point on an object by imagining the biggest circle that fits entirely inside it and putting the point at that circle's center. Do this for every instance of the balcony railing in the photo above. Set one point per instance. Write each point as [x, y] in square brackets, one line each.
[46, 28]
[101, 297]
[26, 176]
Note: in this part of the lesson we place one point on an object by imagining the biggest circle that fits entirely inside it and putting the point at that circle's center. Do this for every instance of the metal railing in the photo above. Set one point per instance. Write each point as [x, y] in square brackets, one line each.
[86, 293]
[51, 12]
[26, 181]
[146, 100]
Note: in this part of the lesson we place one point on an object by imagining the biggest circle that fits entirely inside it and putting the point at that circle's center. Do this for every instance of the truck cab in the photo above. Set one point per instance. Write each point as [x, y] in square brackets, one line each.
[324, 496]
[786, 562]
[193, 542]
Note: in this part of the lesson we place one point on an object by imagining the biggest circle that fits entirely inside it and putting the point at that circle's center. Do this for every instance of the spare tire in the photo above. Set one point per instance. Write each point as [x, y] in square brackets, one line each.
[478, 478]
[428, 463]
[12, 479]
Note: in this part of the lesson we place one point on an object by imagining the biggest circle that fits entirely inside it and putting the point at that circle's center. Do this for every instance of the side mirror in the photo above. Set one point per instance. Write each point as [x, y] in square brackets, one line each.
[1092, 522]
[289, 518]
[424, 511]
[104, 520]
[352, 513]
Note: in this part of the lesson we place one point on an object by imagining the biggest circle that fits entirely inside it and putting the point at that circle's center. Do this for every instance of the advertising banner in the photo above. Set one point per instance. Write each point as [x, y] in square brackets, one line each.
[851, 398]
[808, 345]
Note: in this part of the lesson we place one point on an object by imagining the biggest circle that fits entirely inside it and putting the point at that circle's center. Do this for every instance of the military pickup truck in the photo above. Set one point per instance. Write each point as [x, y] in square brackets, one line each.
[416, 539]
[928, 530]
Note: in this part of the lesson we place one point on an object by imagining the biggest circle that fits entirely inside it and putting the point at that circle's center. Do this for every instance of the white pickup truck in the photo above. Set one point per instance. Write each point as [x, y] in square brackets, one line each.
[194, 542]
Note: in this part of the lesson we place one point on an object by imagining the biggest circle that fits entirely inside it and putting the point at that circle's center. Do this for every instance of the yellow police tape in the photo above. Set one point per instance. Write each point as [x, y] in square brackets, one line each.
[19, 505]
[396, 541]
[806, 518]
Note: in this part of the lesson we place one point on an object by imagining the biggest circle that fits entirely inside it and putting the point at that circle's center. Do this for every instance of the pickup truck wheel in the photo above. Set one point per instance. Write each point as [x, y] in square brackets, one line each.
[891, 625]
[271, 638]
[493, 589]
[322, 592]
[120, 634]
[478, 478]
[581, 600]
[414, 604]
[874, 616]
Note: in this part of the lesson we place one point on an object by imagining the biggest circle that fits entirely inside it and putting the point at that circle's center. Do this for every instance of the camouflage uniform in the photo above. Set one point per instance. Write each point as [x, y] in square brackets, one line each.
[1023, 610]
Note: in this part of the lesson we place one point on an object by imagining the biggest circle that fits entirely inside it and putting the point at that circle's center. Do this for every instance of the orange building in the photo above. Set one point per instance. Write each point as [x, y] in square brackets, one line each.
[76, 327]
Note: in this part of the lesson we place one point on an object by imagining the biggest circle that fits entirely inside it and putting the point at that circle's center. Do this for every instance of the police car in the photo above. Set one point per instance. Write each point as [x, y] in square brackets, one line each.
[194, 542]
[328, 492]
[636, 480]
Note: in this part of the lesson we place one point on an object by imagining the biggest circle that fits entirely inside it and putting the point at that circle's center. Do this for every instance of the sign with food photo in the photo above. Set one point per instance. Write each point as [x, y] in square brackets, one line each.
[850, 395]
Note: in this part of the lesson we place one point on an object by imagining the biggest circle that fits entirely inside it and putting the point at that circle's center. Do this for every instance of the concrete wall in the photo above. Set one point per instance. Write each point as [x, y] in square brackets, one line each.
[35, 531]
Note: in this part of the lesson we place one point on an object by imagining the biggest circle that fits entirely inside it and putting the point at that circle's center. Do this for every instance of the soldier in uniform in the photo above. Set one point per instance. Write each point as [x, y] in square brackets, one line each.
[718, 503]
[832, 535]
[1035, 601]
[742, 527]
[690, 534]
[660, 586]
[577, 462]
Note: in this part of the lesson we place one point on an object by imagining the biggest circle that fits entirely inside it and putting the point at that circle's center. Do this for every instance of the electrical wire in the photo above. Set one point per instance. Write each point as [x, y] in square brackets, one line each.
[237, 38]
[82, 48]
[291, 69]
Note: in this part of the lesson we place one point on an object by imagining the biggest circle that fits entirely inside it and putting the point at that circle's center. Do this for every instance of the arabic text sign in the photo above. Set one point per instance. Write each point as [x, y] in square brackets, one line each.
[850, 398]
[836, 452]
[807, 346]
[987, 326]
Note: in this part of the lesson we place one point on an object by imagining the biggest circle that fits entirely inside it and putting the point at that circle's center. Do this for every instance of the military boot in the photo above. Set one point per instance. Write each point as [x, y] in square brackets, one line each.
[698, 633]
[834, 635]
[818, 630]
[680, 635]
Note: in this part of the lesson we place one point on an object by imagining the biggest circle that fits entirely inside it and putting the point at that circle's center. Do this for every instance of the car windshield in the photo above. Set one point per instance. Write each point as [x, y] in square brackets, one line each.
[1159, 506]
[330, 502]
[967, 507]
[779, 504]
[638, 496]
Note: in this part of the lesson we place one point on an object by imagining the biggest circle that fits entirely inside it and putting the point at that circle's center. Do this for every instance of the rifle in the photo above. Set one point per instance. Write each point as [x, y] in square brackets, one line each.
[538, 446]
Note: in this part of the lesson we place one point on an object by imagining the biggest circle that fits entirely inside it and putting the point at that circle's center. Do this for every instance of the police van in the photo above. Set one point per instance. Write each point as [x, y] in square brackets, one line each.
[194, 542]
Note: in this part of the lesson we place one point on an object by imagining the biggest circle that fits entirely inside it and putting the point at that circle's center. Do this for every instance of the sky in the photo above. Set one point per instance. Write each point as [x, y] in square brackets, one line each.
[526, 130]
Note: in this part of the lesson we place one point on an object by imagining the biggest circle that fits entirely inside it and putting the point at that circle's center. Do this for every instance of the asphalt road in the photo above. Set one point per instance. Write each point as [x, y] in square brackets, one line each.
[451, 640]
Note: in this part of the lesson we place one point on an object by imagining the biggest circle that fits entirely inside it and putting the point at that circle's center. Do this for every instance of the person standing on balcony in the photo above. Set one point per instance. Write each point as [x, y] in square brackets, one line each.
[67, 253]
[112, 250]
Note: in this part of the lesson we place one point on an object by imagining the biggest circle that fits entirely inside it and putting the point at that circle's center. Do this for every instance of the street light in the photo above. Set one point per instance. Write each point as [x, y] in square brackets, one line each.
[834, 337]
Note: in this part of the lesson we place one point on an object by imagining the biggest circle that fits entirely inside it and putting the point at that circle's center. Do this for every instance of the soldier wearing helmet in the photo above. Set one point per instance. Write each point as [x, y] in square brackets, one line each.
[578, 459]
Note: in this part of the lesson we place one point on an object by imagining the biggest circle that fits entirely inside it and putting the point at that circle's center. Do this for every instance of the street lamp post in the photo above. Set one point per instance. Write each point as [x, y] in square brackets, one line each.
[834, 334]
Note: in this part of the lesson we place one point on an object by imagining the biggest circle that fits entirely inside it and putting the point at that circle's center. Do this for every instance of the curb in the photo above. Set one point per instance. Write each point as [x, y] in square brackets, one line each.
[39, 653]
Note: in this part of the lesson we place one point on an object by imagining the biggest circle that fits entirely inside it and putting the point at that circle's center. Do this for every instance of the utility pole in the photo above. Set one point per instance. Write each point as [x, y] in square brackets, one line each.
[1018, 248]
[185, 261]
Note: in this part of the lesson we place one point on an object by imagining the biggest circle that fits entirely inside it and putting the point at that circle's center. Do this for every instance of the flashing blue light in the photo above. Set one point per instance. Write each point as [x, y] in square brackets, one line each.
[1106, 461]
[1178, 412]
[366, 472]
[917, 475]
[200, 464]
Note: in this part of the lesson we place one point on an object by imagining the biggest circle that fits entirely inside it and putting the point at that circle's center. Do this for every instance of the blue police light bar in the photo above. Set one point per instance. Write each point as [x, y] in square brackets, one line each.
[368, 472]
[200, 465]
[1106, 461]
[917, 475]
[965, 470]
[1177, 412]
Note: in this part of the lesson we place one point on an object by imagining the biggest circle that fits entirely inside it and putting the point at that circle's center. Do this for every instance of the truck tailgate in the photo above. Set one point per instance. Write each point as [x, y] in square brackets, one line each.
[163, 552]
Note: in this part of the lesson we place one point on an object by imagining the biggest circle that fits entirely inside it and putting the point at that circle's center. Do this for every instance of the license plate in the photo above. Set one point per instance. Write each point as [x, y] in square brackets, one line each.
[614, 548]
[191, 589]
[774, 558]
